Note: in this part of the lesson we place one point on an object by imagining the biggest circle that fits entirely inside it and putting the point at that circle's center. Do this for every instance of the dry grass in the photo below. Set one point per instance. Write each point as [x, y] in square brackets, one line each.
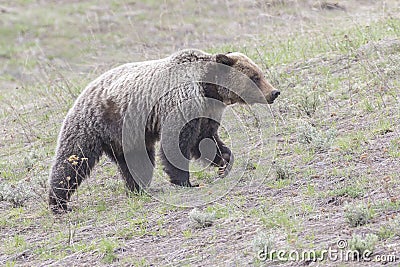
[338, 71]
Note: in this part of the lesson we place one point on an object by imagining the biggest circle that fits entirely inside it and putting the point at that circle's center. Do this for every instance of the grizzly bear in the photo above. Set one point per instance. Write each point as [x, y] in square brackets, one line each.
[178, 100]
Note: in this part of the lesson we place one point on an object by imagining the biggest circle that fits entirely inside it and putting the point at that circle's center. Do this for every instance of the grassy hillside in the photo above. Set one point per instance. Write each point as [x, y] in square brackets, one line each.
[318, 166]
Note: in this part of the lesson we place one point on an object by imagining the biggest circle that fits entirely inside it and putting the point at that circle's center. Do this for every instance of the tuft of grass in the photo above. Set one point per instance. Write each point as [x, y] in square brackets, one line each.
[284, 218]
[358, 215]
[389, 229]
[362, 245]
[308, 134]
[219, 211]
[394, 149]
[282, 171]
[107, 248]
[187, 233]
[10, 264]
[262, 244]
[352, 191]
[202, 219]
[352, 142]
[385, 232]
[15, 244]
[17, 194]
[308, 103]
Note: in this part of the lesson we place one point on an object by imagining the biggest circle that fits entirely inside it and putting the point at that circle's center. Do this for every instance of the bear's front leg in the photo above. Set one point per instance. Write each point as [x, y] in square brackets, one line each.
[224, 158]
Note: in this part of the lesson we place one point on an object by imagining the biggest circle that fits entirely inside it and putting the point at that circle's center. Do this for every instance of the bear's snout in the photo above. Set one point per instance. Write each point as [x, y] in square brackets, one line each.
[274, 94]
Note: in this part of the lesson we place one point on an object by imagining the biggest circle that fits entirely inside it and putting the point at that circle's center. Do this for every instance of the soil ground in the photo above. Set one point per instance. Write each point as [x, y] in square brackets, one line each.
[326, 167]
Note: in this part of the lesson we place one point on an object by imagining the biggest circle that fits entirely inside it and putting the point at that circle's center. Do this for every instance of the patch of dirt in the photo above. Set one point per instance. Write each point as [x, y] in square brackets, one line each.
[60, 51]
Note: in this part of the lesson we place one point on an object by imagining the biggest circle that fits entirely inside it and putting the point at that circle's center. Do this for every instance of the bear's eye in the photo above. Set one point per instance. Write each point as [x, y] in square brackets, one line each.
[255, 78]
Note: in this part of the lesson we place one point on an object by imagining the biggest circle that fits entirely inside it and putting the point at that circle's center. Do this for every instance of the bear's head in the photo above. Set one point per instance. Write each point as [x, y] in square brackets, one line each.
[247, 81]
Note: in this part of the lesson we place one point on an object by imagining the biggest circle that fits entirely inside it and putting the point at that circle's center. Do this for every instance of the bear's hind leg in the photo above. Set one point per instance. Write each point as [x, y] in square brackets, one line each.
[127, 176]
[175, 166]
[115, 153]
[178, 175]
[137, 163]
[74, 161]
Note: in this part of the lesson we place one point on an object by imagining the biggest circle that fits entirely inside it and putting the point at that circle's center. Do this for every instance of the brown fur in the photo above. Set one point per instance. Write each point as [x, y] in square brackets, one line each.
[94, 124]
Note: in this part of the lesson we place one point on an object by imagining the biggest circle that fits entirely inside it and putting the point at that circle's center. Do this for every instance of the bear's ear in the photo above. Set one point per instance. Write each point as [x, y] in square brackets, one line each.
[224, 59]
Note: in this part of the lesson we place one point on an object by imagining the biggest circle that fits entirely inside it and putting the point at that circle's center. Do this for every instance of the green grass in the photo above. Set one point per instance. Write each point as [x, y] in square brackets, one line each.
[303, 47]
[352, 191]
[358, 215]
[334, 74]
[107, 248]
